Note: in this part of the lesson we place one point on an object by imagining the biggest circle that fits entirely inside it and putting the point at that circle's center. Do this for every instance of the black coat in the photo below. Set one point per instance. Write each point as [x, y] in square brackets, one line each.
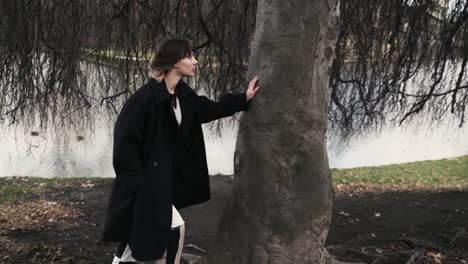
[157, 163]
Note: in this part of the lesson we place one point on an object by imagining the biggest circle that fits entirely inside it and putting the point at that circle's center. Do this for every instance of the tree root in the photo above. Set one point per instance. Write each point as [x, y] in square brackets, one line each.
[331, 260]
[193, 246]
[460, 231]
[190, 258]
[414, 256]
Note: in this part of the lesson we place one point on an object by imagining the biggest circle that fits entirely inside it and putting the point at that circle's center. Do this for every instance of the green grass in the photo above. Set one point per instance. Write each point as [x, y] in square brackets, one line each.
[431, 174]
[13, 188]
[448, 173]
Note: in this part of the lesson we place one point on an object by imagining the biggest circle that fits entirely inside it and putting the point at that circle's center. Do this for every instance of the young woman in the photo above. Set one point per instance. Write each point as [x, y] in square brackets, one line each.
[160, 160]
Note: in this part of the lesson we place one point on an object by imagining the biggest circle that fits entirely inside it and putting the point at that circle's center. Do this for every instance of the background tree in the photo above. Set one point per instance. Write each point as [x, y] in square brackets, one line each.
[397, 58]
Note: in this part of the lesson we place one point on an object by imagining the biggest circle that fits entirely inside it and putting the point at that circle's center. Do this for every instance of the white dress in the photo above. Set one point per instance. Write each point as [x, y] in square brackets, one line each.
[176, 217]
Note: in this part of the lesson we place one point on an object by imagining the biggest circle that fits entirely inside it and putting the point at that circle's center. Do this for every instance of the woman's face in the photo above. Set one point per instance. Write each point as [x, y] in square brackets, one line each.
[186, 66]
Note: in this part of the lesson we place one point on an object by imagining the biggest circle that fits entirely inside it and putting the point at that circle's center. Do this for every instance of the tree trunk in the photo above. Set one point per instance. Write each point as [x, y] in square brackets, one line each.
[280, 208]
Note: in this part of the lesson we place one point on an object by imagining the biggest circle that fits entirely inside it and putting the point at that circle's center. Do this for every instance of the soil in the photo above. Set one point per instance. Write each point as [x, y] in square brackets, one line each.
[370, 225]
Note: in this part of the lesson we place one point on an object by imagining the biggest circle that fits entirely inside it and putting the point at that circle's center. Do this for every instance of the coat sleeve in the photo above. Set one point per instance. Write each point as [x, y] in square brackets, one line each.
[227, 105]
[128, 143]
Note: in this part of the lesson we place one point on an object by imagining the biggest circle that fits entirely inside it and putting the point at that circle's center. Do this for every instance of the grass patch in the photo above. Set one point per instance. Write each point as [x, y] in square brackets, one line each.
[15, 188]
[432, 174]
[444, 173]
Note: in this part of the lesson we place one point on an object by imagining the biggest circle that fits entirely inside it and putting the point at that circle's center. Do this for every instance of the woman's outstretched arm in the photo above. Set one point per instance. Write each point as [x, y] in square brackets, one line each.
[227, 105]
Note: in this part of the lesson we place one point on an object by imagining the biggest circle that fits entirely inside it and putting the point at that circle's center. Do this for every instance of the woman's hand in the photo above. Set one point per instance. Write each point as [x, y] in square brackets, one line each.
[252, 90]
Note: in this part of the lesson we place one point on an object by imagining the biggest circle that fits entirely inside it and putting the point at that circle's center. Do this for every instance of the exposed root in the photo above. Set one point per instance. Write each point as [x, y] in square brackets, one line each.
[460, 231]
[420, 243]
[190, 258]
[331, 260]
[414, 257]
[193, 246]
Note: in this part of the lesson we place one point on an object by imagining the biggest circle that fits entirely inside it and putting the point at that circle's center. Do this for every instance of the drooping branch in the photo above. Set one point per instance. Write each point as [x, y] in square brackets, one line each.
[65, 58]
[394, 59]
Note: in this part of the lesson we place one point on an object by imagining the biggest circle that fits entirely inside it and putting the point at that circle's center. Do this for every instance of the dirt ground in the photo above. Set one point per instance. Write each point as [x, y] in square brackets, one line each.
[369, 225]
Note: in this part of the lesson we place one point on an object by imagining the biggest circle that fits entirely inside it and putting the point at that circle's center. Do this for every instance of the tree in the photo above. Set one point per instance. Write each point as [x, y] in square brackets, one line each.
[279, 210]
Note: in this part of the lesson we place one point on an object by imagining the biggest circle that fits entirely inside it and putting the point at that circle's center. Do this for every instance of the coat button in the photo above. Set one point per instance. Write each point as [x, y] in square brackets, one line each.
[155, 163]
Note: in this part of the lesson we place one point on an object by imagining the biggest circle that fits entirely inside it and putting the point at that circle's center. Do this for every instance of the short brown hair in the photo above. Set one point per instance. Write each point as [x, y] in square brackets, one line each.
[170, 52]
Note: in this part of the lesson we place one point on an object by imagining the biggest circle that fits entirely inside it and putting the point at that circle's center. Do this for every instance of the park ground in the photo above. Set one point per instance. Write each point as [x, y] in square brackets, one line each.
[407, 213]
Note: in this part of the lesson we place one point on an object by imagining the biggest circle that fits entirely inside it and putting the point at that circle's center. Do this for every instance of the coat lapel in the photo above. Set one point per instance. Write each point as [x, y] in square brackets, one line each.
[187, 112]
[161, 95]
[174, 118]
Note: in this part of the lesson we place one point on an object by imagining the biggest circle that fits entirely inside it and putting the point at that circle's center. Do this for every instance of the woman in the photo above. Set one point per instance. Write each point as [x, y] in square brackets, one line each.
[160, 160]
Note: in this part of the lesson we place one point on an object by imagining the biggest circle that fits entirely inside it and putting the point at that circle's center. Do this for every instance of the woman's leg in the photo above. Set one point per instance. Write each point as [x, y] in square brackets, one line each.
[158, 261]
[171, 255]
[127, 255]
[118, 252]
[181, 244]
[123, 254]
[176, 244]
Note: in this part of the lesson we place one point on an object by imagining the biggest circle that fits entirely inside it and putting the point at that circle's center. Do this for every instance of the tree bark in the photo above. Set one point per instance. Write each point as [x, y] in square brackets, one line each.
[280, 208]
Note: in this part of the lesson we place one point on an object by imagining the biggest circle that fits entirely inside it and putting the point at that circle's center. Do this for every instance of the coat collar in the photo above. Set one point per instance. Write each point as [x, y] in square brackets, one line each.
[161, 93]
